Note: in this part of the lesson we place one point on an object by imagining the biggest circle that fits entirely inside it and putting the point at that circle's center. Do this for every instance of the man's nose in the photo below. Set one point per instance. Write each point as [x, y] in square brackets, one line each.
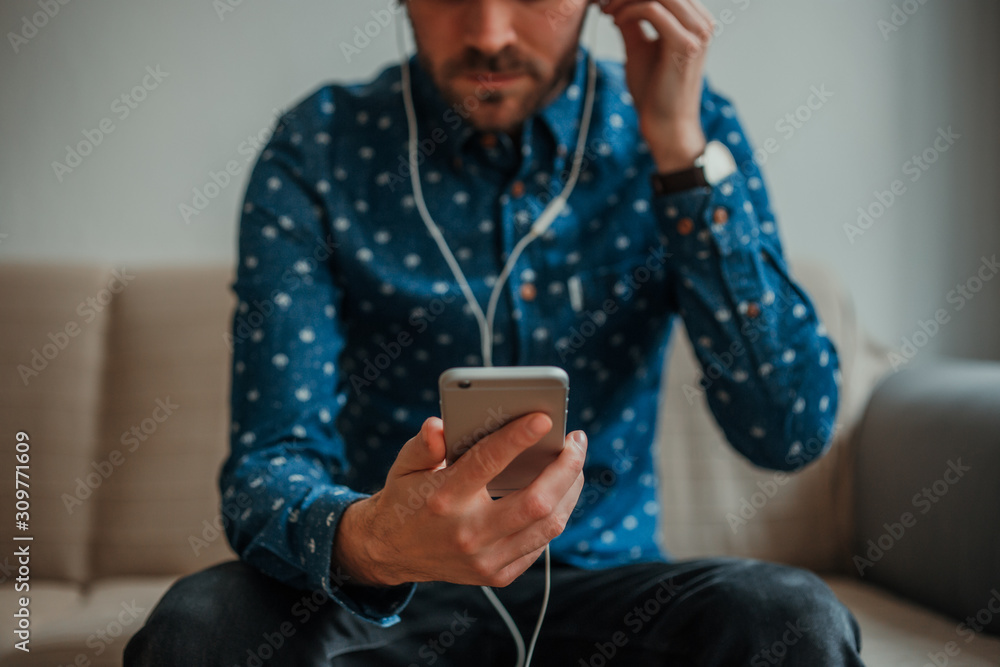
[490, 25]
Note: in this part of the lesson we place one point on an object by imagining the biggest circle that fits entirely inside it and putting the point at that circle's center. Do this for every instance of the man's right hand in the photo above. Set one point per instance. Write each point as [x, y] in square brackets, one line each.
[458, 533]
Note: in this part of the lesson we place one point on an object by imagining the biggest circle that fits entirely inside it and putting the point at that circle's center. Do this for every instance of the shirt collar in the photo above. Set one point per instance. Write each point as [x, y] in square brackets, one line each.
[444, 124]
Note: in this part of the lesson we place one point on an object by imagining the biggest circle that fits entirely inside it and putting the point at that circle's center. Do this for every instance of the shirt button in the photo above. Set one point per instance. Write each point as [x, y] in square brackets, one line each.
[517, 189]
[753, 309]
[528, 291]
[488, 140]
[457, 163]
[685, 226]
[720, 215]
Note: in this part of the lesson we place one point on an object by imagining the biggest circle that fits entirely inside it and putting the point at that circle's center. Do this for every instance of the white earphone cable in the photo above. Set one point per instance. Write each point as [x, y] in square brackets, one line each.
[547, 217]
[554, 208]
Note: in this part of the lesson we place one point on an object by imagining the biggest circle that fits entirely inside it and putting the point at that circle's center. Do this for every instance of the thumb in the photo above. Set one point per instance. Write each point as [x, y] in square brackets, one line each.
[424, 451]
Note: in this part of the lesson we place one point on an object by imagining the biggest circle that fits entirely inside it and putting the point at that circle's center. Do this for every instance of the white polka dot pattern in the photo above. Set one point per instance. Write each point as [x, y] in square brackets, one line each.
[347, 311]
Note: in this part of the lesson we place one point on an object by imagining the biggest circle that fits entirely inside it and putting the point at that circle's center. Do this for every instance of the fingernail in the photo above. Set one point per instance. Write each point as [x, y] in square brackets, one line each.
[580, 438]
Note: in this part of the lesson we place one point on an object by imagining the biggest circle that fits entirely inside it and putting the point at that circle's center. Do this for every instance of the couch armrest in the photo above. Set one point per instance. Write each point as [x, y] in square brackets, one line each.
[927, 488]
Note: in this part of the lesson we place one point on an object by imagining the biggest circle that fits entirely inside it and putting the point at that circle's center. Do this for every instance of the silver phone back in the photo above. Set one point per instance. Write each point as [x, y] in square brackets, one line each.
[476, 401]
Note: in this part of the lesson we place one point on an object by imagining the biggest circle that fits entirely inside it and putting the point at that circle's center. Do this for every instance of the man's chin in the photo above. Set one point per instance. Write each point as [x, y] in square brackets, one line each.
[505, 116]
[493, 110]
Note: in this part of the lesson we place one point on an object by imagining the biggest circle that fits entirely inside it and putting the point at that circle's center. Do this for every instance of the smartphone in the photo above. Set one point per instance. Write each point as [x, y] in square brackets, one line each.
[476, 401]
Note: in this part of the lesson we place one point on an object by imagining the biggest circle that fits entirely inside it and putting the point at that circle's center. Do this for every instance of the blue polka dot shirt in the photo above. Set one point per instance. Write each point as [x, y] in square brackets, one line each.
[347, 311]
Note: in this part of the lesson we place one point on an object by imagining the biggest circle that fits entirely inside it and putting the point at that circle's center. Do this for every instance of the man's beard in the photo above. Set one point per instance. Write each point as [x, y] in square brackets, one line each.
[506, 62]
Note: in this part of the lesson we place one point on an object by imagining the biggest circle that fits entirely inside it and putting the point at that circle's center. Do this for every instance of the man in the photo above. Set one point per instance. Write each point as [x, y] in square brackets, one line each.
[357, 545]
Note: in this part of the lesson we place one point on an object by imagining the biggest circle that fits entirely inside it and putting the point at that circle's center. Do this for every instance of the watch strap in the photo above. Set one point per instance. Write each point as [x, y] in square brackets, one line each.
[677, 181]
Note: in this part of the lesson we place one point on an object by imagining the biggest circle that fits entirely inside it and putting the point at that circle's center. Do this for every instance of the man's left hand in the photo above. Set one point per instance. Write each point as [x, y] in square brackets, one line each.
[664, 75]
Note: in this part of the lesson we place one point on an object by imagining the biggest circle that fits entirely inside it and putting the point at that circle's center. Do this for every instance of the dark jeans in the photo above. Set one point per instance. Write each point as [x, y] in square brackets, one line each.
[702, 612]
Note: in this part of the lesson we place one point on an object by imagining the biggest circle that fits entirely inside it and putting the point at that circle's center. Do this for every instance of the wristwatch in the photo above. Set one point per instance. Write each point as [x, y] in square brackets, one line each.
[710, 168]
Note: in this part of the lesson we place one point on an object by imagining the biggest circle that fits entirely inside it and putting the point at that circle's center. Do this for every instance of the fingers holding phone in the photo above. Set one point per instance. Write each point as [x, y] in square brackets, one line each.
[534, 516]
[482, 462]
[438, 522]
[430, 524]
[476, 401]
[547, 497]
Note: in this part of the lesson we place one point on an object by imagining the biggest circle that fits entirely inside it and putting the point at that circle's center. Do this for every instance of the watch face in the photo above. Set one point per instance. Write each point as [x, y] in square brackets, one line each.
[719, 162]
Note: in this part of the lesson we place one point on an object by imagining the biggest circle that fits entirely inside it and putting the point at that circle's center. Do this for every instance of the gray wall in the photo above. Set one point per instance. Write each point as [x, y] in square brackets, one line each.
[228, 73]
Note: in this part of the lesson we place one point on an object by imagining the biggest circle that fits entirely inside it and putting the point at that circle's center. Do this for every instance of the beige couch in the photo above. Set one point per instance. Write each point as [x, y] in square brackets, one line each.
[121, 382]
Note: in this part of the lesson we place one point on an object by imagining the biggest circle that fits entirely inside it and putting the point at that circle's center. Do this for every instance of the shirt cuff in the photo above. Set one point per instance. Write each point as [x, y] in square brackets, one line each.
[703, 221]
[379, 605]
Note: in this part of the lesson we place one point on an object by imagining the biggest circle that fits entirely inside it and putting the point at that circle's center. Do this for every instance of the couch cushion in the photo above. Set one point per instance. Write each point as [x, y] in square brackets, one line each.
[50, 602]
[897, 632]
[51, 359]
[928, 458]
[96, 626]
[165, 422]
[802, 518]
